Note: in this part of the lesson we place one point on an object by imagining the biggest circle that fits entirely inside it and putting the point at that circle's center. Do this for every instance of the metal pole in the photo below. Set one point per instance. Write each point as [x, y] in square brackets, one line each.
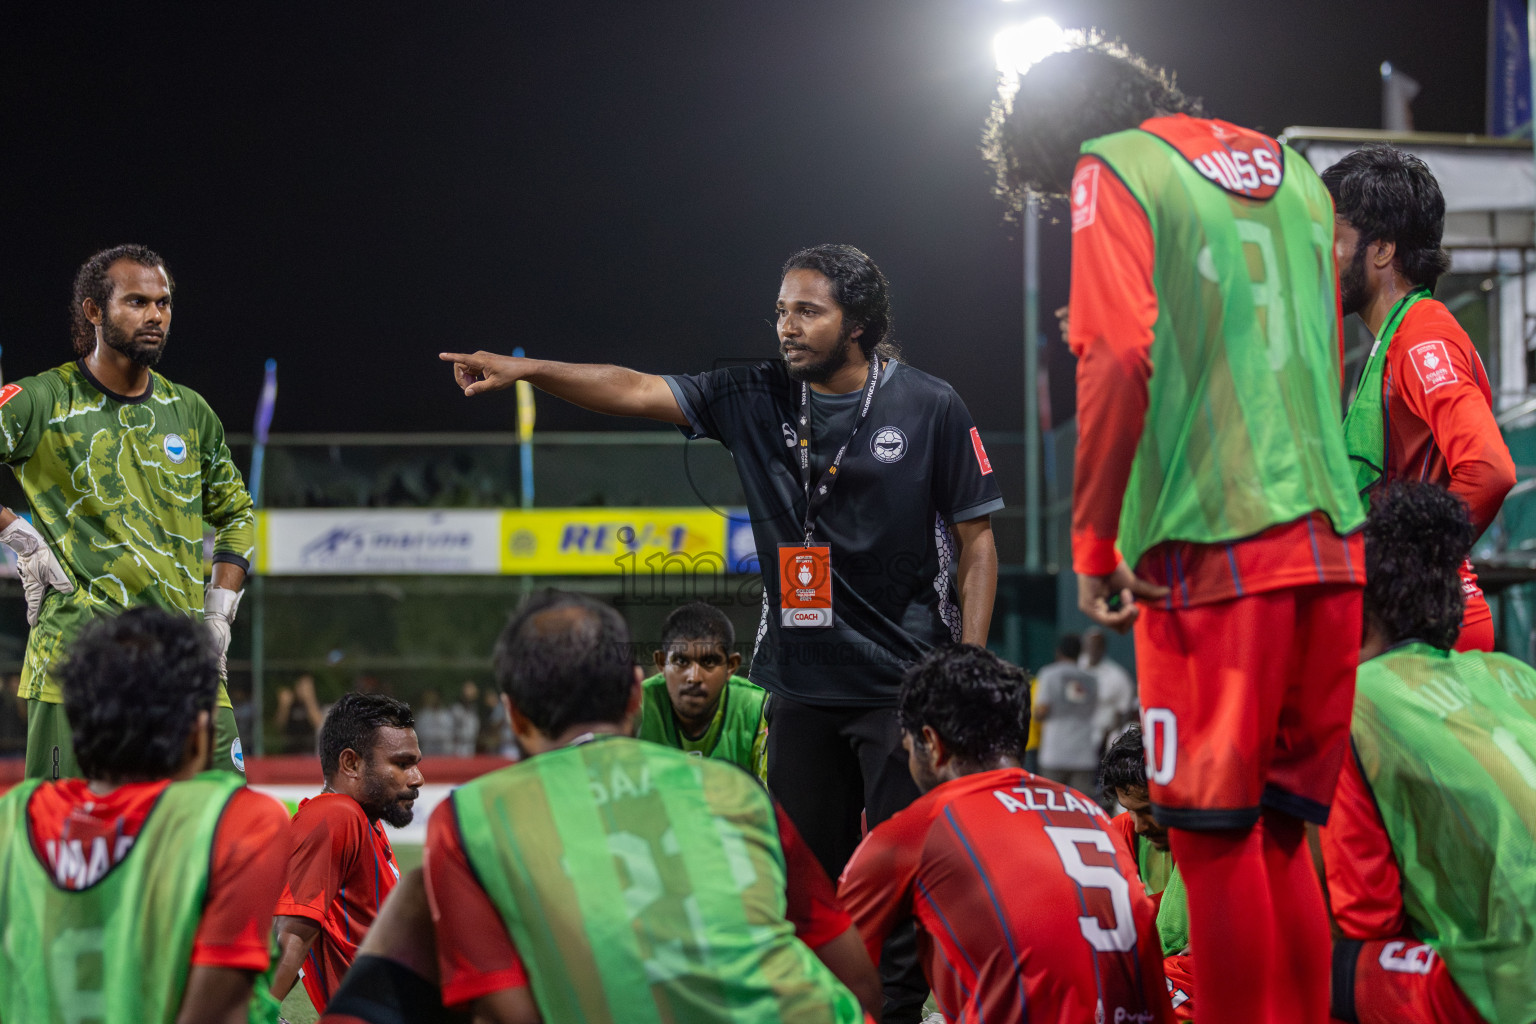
[258, 664]
[1032, 562]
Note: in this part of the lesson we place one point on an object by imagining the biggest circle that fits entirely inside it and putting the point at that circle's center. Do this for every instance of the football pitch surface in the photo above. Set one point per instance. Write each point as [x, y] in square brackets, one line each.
[296, 1008]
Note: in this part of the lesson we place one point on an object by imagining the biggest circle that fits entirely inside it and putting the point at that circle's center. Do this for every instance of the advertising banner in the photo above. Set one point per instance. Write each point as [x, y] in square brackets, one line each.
[536, 542]
[310, 542]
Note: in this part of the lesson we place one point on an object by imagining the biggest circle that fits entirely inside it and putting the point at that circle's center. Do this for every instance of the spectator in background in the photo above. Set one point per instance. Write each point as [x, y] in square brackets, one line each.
[434, 725]
[1117, 691]
[1065, 703]
[13, 719]
[299, 716]
[466, 720]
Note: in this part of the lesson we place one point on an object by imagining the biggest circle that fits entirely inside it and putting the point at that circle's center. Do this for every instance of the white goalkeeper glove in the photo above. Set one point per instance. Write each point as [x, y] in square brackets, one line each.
[219, 607]
[35, 562]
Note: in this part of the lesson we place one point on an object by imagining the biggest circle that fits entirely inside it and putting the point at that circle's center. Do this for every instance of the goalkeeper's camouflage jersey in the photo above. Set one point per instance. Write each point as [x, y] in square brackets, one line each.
[120, 488]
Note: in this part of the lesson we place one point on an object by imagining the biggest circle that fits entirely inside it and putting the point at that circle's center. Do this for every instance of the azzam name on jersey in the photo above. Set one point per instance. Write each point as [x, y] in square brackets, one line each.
[73, 871]
[1044, 798]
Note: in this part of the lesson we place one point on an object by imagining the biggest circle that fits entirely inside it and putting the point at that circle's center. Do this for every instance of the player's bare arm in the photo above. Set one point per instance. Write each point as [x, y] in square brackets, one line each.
[612, 390]
[216, 995]
[294, 937]
[976, 578]
[846, 957]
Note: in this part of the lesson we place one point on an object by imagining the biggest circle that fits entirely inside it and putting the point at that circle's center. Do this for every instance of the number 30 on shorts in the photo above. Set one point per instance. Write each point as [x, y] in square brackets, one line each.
[1160, 738]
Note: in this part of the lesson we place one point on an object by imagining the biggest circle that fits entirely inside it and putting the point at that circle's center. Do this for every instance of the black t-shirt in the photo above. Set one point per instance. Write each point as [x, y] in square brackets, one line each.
[915, 468]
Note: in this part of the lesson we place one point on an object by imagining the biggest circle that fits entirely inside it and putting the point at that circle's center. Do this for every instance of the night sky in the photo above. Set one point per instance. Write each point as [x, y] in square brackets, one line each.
[351, 188]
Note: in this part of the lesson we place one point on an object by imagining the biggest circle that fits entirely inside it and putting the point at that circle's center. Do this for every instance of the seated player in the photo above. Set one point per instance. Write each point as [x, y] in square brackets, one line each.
[1123, 777]
[341, 865]
[393, 980]
[143, 892]
[696, 702]
[605, 879]
[1025, 906]
[1429, 852]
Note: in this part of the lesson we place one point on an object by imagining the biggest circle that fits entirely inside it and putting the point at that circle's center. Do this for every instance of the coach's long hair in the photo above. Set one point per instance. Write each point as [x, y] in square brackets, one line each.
[133, 686]
[1095, 87]
[1416, 537]
[859, 288]
[91, 283]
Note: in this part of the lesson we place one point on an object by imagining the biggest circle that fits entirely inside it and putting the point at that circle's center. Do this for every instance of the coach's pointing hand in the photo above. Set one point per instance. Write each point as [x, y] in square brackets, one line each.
[485, 371]
[1111, 600]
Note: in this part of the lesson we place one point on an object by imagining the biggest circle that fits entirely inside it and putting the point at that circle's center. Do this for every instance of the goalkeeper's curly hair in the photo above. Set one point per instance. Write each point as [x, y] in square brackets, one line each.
[1094, 88]
[1415, 539]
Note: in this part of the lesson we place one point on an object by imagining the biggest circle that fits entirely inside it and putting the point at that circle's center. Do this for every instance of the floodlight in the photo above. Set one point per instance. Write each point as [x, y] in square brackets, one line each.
[1020, 47]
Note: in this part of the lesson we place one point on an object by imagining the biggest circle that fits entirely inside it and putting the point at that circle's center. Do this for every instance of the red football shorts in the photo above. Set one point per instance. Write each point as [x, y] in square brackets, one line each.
[1247, 702]
[1396, 981]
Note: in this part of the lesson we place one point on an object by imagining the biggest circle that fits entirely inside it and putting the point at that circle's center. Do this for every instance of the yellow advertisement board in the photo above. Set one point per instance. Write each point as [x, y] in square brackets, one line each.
[612, 541]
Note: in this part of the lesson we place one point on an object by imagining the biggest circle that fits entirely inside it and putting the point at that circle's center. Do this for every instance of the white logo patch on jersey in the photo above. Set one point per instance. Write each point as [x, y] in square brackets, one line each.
[236, 751]
[889, 444]
[175, 448]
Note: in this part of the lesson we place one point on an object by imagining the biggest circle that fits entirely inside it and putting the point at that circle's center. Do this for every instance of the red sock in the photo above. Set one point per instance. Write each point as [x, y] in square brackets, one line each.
[1231, 924]
[1304, 945]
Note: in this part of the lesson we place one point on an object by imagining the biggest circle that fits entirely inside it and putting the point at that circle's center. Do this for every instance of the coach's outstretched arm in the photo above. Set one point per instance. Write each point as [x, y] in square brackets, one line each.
[613, 390]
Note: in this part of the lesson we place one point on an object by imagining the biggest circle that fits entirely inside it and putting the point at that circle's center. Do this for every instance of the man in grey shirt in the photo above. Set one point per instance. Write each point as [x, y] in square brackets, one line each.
[1068, 697]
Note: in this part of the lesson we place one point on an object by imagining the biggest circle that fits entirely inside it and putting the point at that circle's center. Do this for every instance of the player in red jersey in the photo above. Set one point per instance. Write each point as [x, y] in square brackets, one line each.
[1428, 850]
[1025, 906]
[342, 866]
[1424, 410]
[139, 757]
[1205, 320]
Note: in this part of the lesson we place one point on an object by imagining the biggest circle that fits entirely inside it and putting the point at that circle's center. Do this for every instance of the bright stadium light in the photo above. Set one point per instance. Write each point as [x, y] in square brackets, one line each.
[1017, 48]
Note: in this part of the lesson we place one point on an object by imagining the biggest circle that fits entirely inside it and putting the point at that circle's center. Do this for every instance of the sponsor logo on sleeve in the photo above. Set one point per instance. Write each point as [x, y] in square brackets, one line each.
[981, 453]
[1432, 360]
[1085, 196]
[9, 392]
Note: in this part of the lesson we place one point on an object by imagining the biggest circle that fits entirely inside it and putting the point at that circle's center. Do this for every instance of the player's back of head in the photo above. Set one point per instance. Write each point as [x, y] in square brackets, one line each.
[1392, 196]
[354, 722]
[133, 688]
[698, 620]
[1093, 88]
[1416, 537]
[564, 659]
[1125, 764]
[976, 702]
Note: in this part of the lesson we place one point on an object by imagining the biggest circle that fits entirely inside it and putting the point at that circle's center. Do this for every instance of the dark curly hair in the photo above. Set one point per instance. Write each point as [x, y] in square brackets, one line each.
[565, 659]
[698, 621]
[859, 288]
[1391, 196]
[133, 686]
[91, 283]
[1415, 539]
[1124, 765]
[353, 724]
[1096, 87]
[977, 703]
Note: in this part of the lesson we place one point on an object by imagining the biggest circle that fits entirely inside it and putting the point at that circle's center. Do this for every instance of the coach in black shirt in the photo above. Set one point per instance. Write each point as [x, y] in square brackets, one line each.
[903, 514]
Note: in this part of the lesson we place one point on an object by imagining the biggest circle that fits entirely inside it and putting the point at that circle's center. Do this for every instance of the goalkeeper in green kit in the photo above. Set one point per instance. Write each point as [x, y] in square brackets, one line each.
[121, 469]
